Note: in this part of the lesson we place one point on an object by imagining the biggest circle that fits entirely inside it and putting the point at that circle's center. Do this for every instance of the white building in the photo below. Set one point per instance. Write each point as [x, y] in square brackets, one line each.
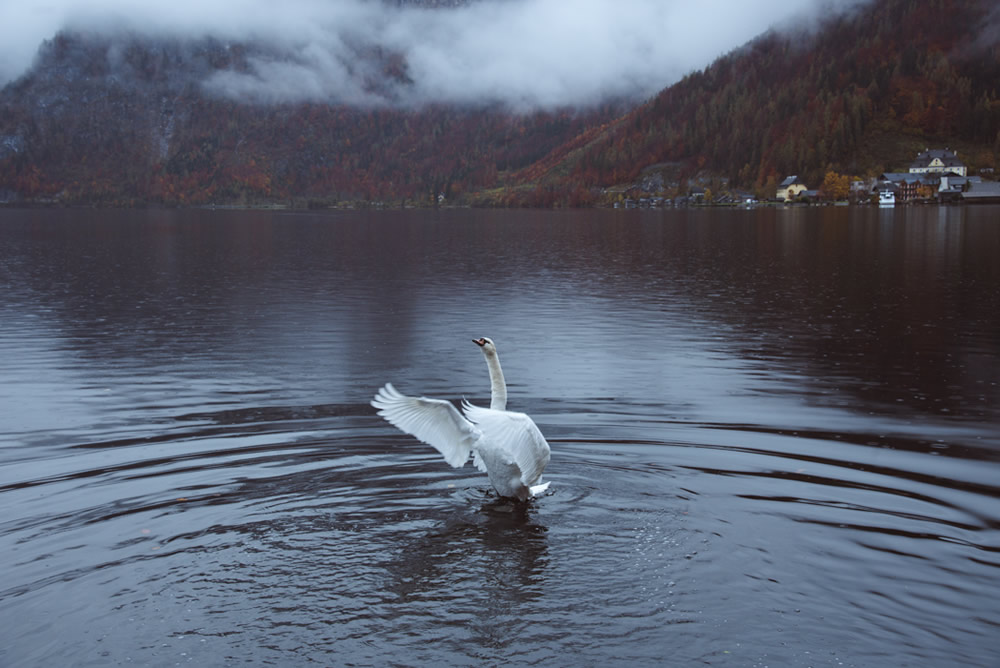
[935, 160]
[790, 188]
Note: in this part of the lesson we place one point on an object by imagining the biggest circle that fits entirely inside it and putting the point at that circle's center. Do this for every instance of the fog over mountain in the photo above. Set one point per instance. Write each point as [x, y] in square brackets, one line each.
[527, 54]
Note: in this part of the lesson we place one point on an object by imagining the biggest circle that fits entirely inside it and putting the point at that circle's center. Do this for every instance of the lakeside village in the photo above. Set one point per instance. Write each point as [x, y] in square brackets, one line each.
[936, 176]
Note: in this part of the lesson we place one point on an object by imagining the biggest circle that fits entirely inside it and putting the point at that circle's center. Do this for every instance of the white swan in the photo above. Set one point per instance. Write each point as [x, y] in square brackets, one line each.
[508, 446]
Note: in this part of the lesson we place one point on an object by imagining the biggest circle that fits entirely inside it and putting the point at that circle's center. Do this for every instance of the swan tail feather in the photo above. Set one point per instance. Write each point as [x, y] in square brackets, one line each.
[539, 489]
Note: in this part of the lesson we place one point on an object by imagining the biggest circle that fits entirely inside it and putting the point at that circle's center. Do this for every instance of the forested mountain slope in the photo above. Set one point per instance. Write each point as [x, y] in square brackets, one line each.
[127, 120]
[859, 94]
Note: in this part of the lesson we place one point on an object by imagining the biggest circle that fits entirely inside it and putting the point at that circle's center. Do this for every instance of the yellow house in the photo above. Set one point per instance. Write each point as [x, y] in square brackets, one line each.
[937, 161]
[790, 188]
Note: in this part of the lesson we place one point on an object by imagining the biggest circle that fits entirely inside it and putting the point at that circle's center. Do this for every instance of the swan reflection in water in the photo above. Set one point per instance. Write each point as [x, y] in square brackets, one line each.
[487, 566]
[347, 547]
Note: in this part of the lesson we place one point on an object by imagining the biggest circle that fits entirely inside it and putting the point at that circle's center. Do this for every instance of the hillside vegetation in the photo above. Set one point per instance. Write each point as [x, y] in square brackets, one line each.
[863, 94]
[124, 121]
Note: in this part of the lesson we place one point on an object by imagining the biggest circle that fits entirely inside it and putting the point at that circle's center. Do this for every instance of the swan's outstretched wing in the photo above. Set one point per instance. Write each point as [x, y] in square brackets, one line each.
[517, 434]
[435, 422]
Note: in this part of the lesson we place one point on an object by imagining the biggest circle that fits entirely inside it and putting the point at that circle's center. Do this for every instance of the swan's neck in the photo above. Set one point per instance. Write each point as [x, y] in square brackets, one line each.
[498, 386]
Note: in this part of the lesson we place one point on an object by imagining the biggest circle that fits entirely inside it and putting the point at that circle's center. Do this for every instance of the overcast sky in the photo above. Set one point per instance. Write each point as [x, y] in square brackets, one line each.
[527, 53]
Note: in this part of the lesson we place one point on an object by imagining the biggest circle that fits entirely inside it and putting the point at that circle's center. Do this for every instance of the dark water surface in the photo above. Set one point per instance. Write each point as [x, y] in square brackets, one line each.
[775, 435]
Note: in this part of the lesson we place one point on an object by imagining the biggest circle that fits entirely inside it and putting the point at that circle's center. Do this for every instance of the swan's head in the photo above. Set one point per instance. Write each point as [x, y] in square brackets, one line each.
[486, 345]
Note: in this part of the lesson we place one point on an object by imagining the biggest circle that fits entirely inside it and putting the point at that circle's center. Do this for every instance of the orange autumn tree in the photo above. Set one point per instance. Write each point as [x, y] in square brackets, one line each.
[835, 186]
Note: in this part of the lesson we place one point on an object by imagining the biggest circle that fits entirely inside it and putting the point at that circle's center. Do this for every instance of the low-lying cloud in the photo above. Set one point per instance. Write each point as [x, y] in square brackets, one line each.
[523, 53]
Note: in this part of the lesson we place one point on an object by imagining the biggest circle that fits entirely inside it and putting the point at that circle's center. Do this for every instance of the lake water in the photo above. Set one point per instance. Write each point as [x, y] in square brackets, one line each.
[775, 438]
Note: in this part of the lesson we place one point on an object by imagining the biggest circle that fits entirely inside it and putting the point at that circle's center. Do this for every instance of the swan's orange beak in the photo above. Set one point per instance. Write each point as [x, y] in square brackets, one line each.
[479, 342]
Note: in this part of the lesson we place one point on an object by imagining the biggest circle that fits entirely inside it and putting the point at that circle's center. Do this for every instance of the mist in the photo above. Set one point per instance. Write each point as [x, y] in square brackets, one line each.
[526, 54]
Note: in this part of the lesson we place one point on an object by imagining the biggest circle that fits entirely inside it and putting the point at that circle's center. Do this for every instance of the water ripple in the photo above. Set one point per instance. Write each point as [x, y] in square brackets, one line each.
[761, 455]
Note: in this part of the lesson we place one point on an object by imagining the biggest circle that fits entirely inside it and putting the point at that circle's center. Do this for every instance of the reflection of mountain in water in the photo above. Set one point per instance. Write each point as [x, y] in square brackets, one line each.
[885, 312]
